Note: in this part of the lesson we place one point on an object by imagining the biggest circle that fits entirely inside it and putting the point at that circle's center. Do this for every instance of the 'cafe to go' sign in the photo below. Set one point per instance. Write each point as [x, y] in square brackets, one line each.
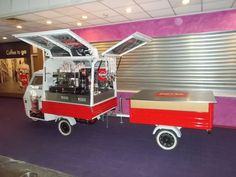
[14, 50]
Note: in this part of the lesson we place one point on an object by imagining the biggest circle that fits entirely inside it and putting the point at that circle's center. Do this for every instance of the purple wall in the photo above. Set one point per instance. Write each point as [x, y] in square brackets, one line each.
[225, 109]
[225, 112]
[216, 21]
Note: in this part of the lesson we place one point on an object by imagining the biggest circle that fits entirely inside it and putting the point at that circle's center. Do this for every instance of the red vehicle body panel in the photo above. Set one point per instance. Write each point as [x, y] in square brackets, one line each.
[185, 119]
[76, 110]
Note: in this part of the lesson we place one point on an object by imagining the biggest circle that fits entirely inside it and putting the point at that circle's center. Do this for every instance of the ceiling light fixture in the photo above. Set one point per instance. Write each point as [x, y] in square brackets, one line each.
[84, 17]
[128, 10]
[79, 24]
[49, 22]
[19, 27]
[4, 38]
[185, 2]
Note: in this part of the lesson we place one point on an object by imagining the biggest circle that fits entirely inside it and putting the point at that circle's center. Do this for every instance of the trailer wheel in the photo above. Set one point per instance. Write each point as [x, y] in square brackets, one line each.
[64, 127]
[167, 139]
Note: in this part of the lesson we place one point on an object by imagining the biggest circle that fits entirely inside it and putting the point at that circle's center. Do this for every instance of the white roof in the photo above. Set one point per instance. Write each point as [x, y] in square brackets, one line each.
[65, 43]
[128, 44]
[59, 43]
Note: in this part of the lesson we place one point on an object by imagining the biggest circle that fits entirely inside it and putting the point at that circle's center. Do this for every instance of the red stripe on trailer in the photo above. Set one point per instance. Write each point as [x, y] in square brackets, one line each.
[78, 111]
[196, 120]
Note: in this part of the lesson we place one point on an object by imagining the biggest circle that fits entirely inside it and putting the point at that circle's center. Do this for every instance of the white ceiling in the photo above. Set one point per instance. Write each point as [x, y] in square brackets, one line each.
[101, 12]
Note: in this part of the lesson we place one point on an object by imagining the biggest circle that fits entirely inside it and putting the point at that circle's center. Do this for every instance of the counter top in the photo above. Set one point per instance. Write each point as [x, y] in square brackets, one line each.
[201, 96]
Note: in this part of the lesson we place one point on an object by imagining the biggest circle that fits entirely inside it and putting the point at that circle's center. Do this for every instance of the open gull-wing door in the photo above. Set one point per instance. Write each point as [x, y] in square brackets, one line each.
[59, 43]
[128, 44]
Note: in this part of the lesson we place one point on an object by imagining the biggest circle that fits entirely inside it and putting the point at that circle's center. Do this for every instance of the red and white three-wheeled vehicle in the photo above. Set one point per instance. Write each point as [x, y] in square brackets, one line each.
[79, 85]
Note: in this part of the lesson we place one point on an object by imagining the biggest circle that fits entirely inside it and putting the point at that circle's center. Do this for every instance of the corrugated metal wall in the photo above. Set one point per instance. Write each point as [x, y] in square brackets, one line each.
[199, 61]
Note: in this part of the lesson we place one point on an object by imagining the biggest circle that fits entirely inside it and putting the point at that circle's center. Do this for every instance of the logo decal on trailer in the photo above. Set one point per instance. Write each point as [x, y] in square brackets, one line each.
[172, 94]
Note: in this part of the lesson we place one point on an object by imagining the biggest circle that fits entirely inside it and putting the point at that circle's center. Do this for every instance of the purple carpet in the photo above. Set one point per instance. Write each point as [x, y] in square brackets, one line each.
[122, 150]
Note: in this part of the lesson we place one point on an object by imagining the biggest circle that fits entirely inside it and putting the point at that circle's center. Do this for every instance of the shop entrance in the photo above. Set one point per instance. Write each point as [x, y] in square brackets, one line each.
[14, 75]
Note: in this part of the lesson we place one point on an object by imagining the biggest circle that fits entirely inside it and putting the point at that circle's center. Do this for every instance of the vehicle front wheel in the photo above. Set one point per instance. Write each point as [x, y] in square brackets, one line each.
[167, 139]
[64, 127]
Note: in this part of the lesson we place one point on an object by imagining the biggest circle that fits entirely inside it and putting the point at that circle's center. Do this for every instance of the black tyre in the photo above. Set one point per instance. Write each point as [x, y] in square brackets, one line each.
[64, 127]
[167, 139]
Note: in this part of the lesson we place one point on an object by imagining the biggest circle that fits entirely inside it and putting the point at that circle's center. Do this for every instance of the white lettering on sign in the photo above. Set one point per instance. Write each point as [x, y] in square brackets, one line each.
[82, 99]
[10, 52]
[16, 52]
[64, 97]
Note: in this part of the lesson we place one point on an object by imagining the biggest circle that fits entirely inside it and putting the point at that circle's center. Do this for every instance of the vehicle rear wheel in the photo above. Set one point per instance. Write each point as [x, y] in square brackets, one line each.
[64, 127]
[167, 139]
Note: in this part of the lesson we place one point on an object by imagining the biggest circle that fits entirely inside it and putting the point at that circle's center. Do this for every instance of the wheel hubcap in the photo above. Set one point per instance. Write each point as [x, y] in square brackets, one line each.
[166, 139]
[65, 128]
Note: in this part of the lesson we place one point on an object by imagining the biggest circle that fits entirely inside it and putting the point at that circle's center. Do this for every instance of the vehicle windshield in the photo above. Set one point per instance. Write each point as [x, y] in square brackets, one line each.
[38, 80]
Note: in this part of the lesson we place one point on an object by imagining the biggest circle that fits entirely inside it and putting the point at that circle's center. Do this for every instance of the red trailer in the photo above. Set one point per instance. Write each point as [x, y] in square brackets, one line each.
[172, 110]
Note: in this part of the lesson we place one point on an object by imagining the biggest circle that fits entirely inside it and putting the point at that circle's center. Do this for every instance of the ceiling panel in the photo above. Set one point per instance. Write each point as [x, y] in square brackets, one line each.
[89, 15]
[16, 6]
[5, 6]
[30, 17]
[206, 1]
[94, 6]
[146, 1]
[34, 4]
[69, 11]
[43, 22]
[137, 16]
[5, 28]
[64, 19]
[57, 2]
[161, 13]
[216, 5]
[188, 9]
[97, 21]
[105, 13]
[178, 3]
[64, 25]
[135, 9]
[117, 4]
[74, 25]
[49, 14]
[31, 24]
[155, 5]
[45, 28]
[117, 19]
[3, 23]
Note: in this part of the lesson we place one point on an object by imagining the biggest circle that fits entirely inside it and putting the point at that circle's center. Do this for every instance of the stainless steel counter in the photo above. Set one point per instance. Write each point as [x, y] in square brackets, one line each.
[175, 96]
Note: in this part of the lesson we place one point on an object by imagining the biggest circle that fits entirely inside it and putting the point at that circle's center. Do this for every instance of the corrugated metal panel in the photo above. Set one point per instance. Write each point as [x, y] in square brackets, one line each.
[199, 61]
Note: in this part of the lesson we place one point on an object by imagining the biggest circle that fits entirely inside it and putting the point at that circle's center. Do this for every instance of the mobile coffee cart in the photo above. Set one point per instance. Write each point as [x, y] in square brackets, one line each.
[76, 83]
[79, 85]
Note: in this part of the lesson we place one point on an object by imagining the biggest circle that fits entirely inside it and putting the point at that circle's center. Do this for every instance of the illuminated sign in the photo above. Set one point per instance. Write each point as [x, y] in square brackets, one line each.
[14, 50]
